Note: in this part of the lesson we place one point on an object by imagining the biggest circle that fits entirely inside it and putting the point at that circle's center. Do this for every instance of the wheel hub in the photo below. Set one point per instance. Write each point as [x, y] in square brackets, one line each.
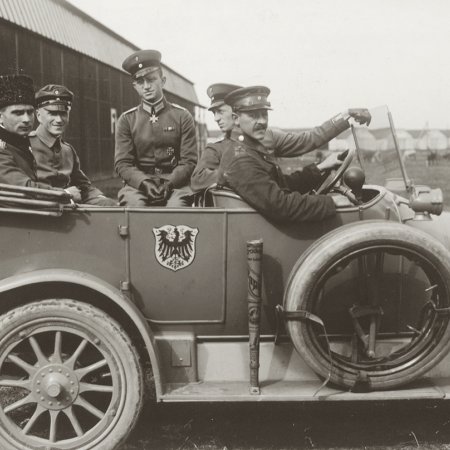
[55, 386]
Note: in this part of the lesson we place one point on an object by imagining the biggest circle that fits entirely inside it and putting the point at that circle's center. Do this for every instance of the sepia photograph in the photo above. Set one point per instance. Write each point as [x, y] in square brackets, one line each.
[224, 225]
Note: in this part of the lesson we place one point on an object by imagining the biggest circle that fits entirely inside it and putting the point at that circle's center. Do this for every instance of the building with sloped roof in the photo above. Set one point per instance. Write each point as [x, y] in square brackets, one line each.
[55, 42]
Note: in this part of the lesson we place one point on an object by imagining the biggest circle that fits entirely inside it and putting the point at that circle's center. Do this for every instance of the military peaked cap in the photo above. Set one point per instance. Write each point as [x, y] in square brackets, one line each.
[54, 97]
[249, 98]
[16, 90]
[142, 62]
[217, 92]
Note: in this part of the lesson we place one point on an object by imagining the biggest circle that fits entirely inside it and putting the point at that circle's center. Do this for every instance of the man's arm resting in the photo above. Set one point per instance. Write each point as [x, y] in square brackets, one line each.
[181, 174]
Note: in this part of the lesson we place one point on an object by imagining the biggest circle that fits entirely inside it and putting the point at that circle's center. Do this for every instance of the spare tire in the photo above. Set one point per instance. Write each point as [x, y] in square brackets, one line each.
[382, 291]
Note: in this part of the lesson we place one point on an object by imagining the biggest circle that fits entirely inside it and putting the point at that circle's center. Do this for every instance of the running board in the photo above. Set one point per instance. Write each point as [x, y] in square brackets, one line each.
[280, 391]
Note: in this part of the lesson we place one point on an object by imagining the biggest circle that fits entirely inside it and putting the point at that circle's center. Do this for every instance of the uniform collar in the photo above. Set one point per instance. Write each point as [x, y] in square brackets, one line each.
[156, 107]
[238, 136]
[21, 142]
[47, 138]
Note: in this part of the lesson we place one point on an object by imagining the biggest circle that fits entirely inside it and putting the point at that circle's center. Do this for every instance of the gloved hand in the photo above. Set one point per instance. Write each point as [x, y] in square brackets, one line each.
[361, 115]
[332, 161]
[75, 193]
[166, 189]
[152, 189]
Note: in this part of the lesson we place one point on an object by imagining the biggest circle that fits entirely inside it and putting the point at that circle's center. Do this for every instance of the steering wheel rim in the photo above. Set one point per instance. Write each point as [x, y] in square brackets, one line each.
[327, 185]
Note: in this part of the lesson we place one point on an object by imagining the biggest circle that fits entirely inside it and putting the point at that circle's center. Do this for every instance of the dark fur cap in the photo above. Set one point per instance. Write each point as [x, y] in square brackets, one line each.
[16, 90]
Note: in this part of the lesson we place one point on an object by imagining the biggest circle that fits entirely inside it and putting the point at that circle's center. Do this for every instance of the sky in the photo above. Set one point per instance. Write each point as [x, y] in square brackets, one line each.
[318, 57]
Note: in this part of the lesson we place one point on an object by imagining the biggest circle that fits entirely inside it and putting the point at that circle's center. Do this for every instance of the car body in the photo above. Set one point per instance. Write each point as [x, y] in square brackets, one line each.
[169, 287]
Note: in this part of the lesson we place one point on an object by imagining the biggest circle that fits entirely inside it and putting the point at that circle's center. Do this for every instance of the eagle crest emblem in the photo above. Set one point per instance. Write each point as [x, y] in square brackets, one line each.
[175, 246]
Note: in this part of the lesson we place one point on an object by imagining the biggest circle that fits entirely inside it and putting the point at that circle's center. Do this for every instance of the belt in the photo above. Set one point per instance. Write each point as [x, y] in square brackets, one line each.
[157, 170]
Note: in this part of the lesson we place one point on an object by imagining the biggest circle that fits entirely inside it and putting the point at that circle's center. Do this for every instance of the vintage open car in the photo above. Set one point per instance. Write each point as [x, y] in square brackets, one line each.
[355, 307]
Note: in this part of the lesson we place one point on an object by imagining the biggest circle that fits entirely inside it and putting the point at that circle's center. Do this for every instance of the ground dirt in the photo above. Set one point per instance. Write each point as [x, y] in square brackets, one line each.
[288, 426]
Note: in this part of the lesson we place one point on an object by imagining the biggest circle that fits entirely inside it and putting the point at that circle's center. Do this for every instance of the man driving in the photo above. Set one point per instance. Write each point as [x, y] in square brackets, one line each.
[276, 142]
[248, 169]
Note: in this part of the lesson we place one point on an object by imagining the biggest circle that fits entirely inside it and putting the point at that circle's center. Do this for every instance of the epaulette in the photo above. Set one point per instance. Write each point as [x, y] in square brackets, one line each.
[130, 110]
[32, 134]
[178, 106]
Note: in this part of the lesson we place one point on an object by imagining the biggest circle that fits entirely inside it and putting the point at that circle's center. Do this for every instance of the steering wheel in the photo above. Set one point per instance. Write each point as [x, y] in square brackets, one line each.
[327, 185]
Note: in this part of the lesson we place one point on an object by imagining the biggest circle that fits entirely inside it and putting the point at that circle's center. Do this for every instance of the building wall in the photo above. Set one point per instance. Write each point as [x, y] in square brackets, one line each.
[102, 92]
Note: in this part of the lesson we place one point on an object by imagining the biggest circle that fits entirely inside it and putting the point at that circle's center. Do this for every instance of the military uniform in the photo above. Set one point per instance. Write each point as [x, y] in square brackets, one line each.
[251, 172]
[277, 143]
[205, 173]
[58, 165]
[154, 142]
[17, 163]
[57, 162]
[166, 147]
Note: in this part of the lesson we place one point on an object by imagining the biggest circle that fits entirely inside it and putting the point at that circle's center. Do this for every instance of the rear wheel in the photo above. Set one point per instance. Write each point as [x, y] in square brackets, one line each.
[382, 291]
[70, 378]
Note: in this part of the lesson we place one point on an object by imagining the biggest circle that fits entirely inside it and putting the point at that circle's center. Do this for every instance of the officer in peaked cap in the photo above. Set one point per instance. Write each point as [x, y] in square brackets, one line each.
[274, 142]
[217, 92]
[54, 97]
[58, 164]
[142, 62]
[251, 170]
[17, 164]
[222, 112]
[251, 98]
[156, 147]
[205, 173]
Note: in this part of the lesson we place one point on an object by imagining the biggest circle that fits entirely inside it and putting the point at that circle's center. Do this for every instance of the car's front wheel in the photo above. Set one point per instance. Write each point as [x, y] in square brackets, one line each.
[69, 378]
[369, 305]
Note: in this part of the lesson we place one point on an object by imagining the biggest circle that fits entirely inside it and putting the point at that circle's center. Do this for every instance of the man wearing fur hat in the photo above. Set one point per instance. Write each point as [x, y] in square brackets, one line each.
[17, 164]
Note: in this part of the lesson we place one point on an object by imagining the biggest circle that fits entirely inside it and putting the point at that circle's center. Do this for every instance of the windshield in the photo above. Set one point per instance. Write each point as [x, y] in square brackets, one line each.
[376, 151]
[382, 152]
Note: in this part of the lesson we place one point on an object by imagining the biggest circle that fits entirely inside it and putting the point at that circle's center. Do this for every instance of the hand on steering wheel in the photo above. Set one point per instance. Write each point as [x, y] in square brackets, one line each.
[326, 186]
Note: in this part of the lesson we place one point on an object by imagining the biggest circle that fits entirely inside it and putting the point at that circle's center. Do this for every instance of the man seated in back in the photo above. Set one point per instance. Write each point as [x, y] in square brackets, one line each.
[58, 164]
[248, 169]
[17, 164]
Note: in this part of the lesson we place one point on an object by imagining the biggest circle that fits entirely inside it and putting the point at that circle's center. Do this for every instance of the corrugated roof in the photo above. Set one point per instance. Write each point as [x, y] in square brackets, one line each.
[61, 22]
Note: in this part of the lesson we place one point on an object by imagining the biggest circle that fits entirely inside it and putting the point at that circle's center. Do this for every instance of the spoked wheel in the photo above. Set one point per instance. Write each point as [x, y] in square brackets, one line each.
[69, 378]
[382, 291]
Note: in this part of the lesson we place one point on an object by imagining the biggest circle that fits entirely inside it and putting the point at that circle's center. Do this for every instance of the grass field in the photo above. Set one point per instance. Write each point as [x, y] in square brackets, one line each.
[435, 176]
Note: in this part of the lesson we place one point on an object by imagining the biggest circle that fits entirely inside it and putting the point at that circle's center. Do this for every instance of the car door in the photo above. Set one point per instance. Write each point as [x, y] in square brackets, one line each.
[177, 264]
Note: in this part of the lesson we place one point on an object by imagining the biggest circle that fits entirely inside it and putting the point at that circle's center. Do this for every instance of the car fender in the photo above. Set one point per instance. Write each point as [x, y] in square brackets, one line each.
[104, 288]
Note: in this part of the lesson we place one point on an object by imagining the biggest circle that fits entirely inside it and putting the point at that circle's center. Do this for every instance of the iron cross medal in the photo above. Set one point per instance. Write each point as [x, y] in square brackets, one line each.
[153, 118]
